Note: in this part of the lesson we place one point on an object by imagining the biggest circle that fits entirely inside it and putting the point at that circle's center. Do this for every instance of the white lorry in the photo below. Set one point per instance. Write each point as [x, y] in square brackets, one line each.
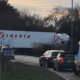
[30, 39]
[27, 39]
[77, 59]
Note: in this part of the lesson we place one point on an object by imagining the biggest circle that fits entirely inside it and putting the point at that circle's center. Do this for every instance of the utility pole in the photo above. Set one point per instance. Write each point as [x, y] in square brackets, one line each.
[72, 26]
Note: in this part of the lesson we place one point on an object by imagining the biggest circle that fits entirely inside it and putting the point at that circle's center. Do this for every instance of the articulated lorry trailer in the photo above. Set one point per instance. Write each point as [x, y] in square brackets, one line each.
[24, 41]
[29, 39]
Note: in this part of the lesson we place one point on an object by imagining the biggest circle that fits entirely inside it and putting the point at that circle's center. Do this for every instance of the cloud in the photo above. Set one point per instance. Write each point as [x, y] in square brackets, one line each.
[32, 10]
[40, 6]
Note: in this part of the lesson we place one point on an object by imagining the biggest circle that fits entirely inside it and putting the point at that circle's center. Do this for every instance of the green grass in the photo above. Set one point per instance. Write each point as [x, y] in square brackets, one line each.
[19, 71]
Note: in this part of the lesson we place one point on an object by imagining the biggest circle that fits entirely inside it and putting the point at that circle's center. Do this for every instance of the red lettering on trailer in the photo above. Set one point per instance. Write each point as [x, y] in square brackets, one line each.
[2, 35]
[24, 36]
[11, 35]
[20, 36]
[6, 35]
[15, 35]
[28, 36]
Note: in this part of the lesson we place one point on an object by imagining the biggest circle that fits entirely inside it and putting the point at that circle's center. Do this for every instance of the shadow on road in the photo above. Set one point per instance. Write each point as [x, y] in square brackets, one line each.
[64, 70]
[67, 70]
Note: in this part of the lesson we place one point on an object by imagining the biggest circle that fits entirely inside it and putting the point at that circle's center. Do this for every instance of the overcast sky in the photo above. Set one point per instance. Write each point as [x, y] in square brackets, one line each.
[41, 7]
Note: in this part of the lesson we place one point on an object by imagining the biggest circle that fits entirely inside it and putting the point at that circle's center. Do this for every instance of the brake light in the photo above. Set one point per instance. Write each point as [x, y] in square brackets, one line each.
[61, 60]
[50, 57]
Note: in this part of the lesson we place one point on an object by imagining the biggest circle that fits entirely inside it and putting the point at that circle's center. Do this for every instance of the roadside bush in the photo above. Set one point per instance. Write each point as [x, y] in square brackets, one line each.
[38, 51]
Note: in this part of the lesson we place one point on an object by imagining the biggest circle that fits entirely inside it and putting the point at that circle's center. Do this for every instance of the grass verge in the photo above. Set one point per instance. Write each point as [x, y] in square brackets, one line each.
[19, 71]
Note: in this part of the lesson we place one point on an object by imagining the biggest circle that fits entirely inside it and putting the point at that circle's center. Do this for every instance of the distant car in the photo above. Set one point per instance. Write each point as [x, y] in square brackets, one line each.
[64, 60]
[8, 52]
[47, 58]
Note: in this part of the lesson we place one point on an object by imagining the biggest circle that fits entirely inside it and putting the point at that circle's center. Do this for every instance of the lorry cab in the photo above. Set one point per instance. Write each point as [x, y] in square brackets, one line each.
[77, 59]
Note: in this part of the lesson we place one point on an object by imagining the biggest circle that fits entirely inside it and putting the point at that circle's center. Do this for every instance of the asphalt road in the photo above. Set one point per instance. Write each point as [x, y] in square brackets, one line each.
[67, 74]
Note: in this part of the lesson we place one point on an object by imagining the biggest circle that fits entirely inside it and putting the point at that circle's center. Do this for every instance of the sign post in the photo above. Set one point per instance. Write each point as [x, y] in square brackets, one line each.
[72, 26]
